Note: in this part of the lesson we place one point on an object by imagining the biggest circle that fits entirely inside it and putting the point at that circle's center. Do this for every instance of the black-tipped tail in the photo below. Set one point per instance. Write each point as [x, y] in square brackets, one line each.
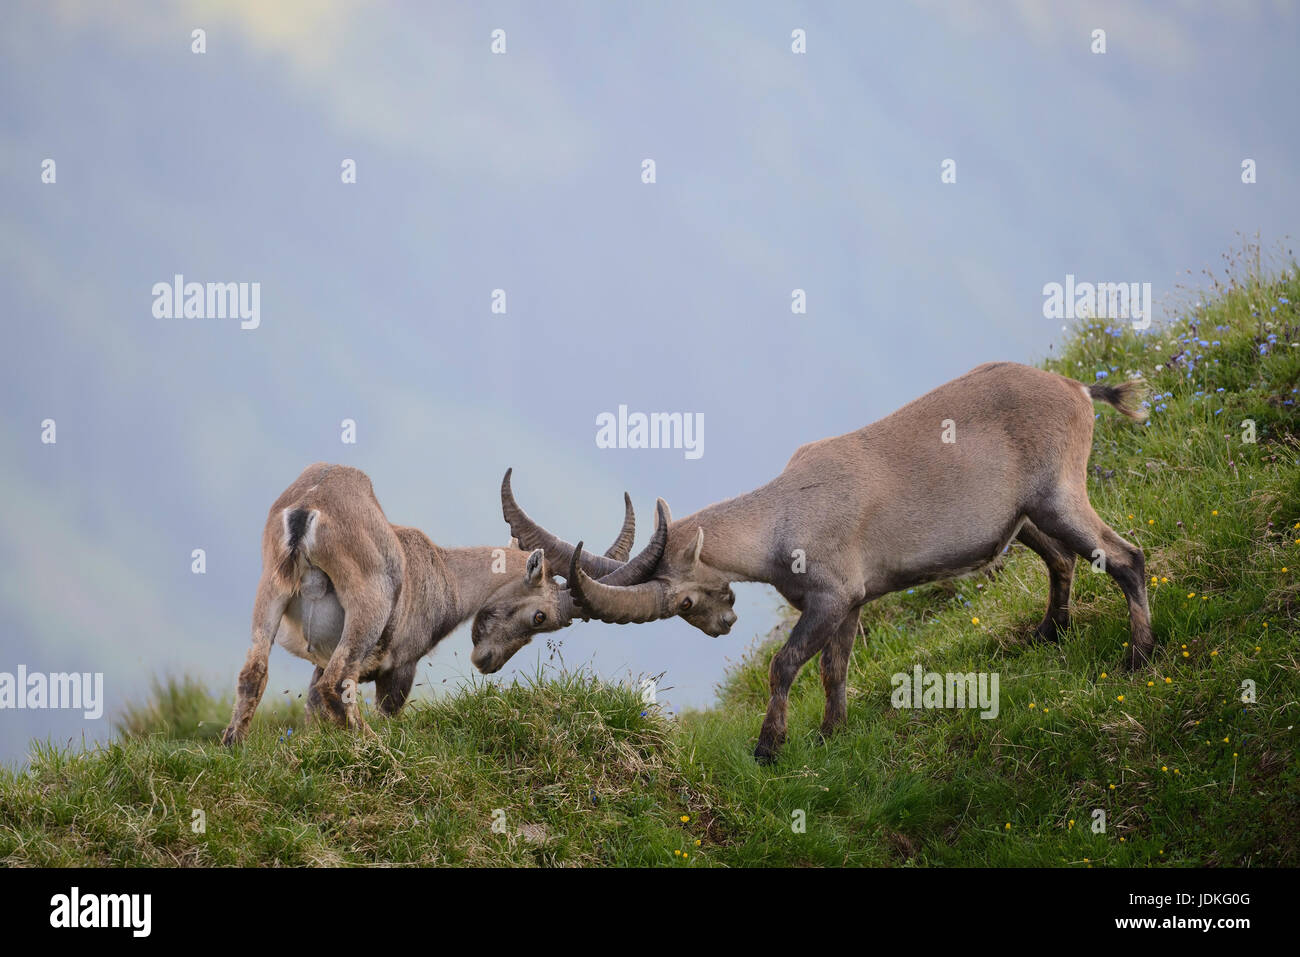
[296, 523]
[1126, 398]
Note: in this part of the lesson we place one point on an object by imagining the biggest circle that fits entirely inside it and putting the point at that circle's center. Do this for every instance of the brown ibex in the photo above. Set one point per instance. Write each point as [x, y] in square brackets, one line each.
[365, 600]
[935, 490]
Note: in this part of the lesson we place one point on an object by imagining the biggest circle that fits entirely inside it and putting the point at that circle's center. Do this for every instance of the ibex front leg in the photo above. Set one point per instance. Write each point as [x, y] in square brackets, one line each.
[816, 626]
[268, 608]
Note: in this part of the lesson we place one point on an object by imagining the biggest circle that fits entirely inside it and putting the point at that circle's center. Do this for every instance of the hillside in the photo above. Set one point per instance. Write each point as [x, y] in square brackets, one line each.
[576, 771]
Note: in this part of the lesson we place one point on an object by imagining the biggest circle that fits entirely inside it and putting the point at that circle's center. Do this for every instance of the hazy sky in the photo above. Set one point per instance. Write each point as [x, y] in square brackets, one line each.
[775, 171]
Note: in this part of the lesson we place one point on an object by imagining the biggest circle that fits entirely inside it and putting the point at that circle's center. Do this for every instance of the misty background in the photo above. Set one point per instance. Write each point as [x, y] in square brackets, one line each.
[775, 171]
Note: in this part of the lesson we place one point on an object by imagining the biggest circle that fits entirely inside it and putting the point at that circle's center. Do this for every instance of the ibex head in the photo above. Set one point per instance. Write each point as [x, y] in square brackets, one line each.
[668, 578]
[682, 585]
[522, 607]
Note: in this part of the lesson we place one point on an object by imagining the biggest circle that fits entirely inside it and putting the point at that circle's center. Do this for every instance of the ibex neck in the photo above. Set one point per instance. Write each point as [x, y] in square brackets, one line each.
[738, 534]
[477, 572]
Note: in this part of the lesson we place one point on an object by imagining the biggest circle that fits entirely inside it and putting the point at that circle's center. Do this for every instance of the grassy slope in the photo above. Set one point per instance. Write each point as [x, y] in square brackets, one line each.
[1186, 773]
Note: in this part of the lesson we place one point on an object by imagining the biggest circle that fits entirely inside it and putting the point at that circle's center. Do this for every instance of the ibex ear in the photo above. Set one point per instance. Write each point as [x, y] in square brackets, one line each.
[513, 543]
[535, 570]
[692, 553]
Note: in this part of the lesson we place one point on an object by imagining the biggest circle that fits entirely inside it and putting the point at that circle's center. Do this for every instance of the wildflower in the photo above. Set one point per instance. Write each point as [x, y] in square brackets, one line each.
[677, 853]
[1164, 768]
[1071, 822]
[1225, 740]
[1103, 674]
[1215, 512]
[697, 842]
[1008, 825]
[1214, 653]
[1151, 521]
[1119, 697]
[976, 621]
[685, 818]
[1168, 680]
[1191, 594]
[1151, 684]
[1112, 787]
[1032, 706]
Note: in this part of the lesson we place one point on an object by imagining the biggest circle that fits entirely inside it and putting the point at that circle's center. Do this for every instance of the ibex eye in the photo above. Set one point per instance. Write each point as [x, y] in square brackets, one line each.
[539, 618]
[686, 604]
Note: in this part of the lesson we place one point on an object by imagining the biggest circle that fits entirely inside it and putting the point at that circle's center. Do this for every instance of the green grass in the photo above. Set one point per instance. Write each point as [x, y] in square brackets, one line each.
[581, 772]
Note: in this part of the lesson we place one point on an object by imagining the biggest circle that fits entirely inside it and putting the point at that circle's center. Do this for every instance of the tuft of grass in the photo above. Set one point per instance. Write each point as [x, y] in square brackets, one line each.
[1191, 761]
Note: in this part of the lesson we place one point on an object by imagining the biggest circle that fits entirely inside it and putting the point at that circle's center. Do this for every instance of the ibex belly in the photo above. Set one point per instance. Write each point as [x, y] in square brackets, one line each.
[956, 560]
[312, 625]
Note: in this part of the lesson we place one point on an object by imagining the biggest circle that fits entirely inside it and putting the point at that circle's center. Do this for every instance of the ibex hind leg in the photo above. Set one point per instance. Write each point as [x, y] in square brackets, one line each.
[268, 608]
[366, 610]
[1059, 559]
[1083, 531]
[835, 670]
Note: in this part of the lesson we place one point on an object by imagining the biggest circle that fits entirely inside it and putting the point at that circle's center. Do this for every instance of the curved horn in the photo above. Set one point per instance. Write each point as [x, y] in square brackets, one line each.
[621, 550]
[643, 565]
[531, 535]
[618, 605]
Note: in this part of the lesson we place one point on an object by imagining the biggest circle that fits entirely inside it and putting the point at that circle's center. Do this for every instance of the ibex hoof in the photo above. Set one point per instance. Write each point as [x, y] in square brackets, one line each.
[229, 738]
[1044, 632]
[1137, 658]
[765, 753]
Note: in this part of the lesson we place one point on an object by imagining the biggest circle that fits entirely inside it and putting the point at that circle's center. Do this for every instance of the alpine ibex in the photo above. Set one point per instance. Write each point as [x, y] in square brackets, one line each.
[365, 600]
[935, 490]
